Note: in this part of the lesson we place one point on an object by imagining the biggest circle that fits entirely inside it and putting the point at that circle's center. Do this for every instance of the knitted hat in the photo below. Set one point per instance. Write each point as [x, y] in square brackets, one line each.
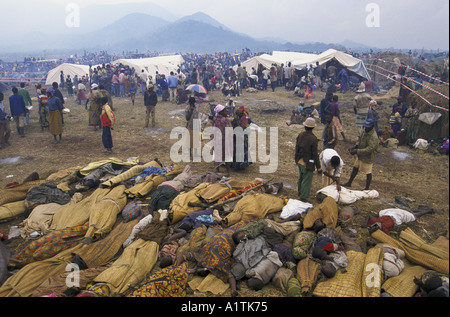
[310, 123]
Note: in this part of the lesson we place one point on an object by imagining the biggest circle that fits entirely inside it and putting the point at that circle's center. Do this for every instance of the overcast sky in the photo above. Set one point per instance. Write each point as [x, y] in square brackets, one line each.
[381, 23]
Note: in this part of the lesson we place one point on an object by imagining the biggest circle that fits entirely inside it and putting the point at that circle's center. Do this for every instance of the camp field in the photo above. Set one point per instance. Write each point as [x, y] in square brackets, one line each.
[420, 178]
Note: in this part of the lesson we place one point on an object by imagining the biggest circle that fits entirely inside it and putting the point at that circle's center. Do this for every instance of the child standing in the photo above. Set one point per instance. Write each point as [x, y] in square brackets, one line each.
[107, 119]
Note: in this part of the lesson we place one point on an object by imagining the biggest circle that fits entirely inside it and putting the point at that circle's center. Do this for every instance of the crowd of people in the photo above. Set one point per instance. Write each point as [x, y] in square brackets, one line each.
[243, 250]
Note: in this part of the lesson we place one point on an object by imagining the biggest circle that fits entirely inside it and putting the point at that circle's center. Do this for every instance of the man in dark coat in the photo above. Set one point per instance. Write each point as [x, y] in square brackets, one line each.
[307, 158]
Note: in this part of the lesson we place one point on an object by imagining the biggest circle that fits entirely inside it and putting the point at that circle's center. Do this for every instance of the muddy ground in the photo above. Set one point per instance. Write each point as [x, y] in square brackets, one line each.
[421, 178]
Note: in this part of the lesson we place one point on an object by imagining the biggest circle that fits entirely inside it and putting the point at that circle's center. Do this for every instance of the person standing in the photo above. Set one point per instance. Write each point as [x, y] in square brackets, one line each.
[150, 102]
[5, 129]
[222, 146]
[69, 85]
[365, 151]
[273, 78]
[18, 110]
[108, 120]
[27, 98]
[343, 77]
[373, 114]
[241, 155]
[94, 107]
[287, 76]
[412, 124]
[335, 112]
[116, 84]
[25, 94]
[324, 105]
[81, 94]
[143, 77]
[61, 79]
[54, 115]
[265, 78]
[330, 136]
[194, 76]
[122, 83]
[307, 158]
[59, 94]
[192, 113]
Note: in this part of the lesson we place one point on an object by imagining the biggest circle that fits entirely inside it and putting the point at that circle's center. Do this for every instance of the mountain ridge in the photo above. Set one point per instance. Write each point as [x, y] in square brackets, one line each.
[197, 33]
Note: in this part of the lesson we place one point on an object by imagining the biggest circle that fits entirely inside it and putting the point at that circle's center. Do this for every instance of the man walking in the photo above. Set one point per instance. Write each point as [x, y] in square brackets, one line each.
[173, 83]
[307, 158]
[365, 150]
[18, 110]
[5, 130]
[150, 102]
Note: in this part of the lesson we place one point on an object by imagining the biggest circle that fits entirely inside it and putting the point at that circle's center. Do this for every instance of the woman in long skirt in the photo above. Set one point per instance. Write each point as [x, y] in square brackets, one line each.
[54, 116]
[94, 108]
[222, 145]
[43, 109]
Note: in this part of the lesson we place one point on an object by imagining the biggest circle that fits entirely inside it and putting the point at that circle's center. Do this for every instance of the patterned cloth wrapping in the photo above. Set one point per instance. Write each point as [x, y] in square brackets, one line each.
[302, 244]
[168, 282]
[49, 245]
[294, 289]
[236, 192]
[198, 238]
[217, 254]
[132, 211]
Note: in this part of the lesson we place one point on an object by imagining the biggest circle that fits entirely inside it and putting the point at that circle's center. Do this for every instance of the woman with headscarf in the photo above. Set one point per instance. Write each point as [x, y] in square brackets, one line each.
[240, 146]
[94, 108]
[55, 108]
[222, 145]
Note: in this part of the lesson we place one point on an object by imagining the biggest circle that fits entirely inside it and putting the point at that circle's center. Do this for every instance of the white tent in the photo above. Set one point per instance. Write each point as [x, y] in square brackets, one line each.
[265, 59]
[68, 69]
[302, 60]
[349, 62]
[295, 58]
[161, 64]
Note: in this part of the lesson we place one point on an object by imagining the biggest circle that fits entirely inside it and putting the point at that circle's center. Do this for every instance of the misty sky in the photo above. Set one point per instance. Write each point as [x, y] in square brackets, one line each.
[402, 23]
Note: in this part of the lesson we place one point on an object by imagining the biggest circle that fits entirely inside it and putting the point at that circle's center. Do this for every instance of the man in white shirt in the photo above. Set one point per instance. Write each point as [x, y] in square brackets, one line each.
[144, 77]
[332, 165]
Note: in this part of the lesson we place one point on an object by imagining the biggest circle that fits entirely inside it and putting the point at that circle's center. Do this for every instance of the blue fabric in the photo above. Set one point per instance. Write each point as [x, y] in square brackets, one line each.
[196, 218]
[54, 104]
[17, 105]
[172, 81]
[205, 218]
[149, 171]
[107, 138]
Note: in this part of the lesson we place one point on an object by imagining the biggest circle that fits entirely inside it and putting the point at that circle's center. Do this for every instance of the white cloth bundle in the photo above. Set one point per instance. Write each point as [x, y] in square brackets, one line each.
[347, 196]
[294, 207]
